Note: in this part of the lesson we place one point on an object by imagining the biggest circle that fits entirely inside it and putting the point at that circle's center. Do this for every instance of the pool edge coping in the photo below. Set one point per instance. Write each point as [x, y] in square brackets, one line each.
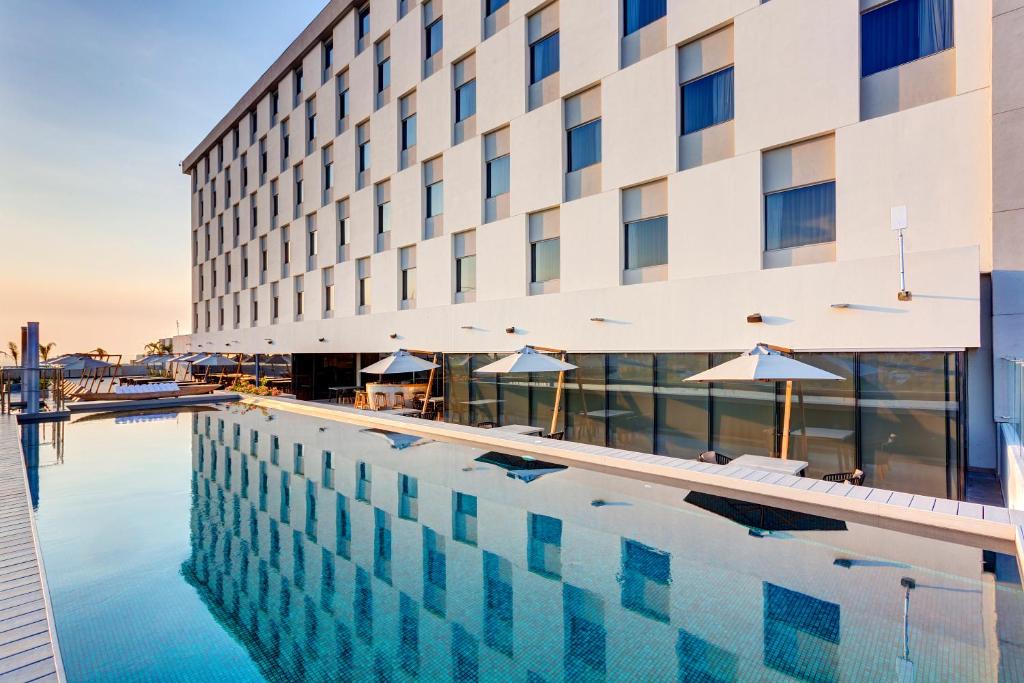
[966, 524]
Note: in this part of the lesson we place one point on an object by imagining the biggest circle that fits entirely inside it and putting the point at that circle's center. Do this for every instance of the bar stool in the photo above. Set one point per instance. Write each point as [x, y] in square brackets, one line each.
[361, 402]
[399, 401]
[380, 400]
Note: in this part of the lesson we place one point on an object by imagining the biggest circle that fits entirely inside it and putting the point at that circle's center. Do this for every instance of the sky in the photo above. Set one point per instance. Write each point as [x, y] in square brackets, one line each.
[100, 100]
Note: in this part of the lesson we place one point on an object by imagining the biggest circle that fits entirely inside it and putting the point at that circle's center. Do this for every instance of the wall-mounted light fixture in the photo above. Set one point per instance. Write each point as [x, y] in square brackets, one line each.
[755, 318]
[227, 343]
[269, 341]
[597, 319]
[467, 327]
[511, 329]
[322, 339]
[839, 305]
[393, 335]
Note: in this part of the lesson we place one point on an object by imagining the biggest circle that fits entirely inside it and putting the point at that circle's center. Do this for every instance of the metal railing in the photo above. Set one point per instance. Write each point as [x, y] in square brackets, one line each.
[52, 387]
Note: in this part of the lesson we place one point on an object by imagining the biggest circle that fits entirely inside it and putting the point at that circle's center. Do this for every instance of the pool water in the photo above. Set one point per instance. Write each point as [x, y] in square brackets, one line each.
[240, 544]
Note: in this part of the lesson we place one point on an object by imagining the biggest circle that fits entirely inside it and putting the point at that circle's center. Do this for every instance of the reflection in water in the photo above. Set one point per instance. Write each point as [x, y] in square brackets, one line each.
[353, 571]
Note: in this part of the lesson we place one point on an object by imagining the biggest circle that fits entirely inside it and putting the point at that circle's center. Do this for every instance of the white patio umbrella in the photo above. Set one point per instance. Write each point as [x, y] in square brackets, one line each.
[532, 359]
[399, 362]
[766, 363]
[214, 360]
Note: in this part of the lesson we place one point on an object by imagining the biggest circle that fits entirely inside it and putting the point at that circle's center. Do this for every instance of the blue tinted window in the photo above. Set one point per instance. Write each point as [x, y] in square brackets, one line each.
[585, 145]
[497, 176]
[465, 101]
[544, 58]
[435, 37]
[494, 5]
[435, 199]
[639, 13]
[708, 101]
[903, 31]
[805, 215]
[647, 243]
[409, 132]
[364, 21]
[383, 75]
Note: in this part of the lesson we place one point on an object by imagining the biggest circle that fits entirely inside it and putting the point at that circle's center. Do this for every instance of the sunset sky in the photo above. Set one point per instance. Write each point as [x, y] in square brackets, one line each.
[99, 102]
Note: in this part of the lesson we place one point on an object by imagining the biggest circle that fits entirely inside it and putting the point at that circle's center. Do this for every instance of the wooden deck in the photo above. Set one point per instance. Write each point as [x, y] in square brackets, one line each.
[28, 646]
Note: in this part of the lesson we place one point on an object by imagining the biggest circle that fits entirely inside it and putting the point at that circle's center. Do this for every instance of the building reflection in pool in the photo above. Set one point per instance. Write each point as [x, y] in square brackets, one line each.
[391, 564]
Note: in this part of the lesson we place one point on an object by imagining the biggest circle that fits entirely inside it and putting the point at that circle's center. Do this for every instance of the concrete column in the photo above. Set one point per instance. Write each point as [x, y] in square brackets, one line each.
[30, 363]
[1008, 196]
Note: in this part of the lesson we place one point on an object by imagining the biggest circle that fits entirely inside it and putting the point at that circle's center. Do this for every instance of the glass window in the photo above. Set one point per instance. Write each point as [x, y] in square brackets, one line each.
[801, 216]
[364, 21]
[465, 274]
[743, 415]
[465, 101]
[408, 284]
[823, 420]
[456, 378]
[545, 257]
[630, 401]
[383, 75]
[409, 132]
[435, 37]
[708, 101]
[384, 217]
[681, 408]
[647, 243]
[364, 156]
[902, 31]
[639, 13]
[435, 199]
[544, 58]
[585, 145]
[585, 413]
[494, 5]
[497, 176]
[908, 421]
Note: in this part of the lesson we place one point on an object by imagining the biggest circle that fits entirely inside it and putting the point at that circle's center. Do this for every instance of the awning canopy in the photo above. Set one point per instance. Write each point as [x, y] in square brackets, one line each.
[762, 364]
[526, 359]
[400, 361]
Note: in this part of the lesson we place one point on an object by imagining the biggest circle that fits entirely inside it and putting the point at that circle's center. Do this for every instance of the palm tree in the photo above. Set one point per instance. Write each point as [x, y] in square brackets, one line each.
[158, 347]
[45, 349]
[12, 349]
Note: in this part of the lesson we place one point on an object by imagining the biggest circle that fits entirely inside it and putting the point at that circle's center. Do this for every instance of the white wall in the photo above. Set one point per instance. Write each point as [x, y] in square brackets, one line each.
[797, 76]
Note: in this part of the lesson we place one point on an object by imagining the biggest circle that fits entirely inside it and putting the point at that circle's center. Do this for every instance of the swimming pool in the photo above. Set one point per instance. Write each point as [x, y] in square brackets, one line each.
[237, 543]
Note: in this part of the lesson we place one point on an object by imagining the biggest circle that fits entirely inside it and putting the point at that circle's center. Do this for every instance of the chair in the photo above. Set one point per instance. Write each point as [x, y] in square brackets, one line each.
[487, 424]
[855, 478]
[399, 401]
[380, 400]
[714, 458]
[559, 436]
[361, 403]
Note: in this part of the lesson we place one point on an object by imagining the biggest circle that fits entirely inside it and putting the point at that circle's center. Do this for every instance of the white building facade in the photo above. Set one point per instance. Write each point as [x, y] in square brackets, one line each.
[643, 183]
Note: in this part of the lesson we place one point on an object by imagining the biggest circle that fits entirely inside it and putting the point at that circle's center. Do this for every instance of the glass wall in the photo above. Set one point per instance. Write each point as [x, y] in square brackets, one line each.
[894, 415]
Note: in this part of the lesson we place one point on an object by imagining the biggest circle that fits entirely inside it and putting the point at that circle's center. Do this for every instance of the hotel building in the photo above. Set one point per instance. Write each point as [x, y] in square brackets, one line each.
[652, 186]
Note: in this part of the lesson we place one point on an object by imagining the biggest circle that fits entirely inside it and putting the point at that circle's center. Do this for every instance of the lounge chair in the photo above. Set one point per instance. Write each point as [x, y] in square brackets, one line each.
[855, 478]
[560, 436]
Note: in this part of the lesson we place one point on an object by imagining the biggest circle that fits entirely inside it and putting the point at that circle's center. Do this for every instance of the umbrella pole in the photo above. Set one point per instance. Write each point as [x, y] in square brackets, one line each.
[558, 401]
[430, 383]
[785, 419]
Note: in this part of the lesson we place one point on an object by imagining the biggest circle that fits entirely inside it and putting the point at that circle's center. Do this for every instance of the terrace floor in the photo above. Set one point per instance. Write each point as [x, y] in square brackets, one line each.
[982, 486]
